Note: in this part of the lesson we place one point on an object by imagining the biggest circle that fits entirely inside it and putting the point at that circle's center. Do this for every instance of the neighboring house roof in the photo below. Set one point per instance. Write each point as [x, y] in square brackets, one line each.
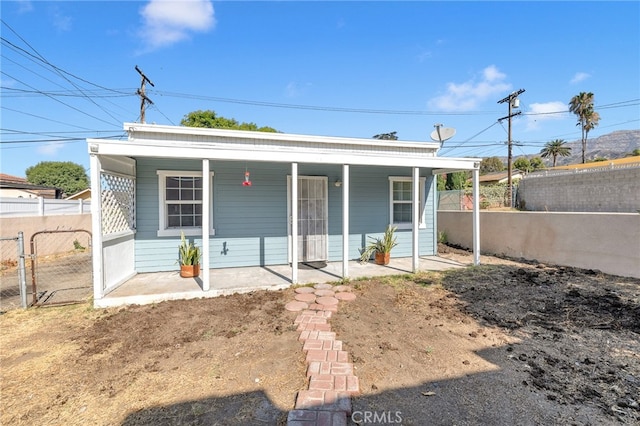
[500, 177]
[85, 194]
[10, 178]
[15, 182]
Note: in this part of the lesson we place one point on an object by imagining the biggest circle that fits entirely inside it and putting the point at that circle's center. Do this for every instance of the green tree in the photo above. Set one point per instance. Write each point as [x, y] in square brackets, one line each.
[523, 164]
[391, 136]
[634, 153]
[457, 180]
[528, 165]
[66, 175]
[491, 165]
[582, 106]
[555, 148]
[210, 120]
[454, 181]
[537, 163]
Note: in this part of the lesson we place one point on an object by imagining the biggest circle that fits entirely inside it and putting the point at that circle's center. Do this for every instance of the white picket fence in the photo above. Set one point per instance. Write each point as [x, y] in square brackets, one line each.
[20, 207]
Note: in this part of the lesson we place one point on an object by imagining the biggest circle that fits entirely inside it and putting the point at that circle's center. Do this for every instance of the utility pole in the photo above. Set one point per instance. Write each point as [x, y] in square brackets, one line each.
[141, 92]
[514, 102]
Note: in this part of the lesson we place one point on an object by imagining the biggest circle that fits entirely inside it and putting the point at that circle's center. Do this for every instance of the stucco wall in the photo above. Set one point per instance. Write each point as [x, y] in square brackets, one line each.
[10, 226]
[597, 190]
[609, 242]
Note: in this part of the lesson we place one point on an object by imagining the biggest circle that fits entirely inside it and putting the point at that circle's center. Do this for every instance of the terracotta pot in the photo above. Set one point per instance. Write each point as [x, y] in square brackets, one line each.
[189, 271]
[382, 258]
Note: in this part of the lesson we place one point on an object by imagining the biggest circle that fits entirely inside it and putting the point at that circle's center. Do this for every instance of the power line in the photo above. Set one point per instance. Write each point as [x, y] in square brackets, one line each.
[44, 118]
[42, 59]
[449, 148]
[66, 93]
[57, 100]
[60, 72]
[317, 107]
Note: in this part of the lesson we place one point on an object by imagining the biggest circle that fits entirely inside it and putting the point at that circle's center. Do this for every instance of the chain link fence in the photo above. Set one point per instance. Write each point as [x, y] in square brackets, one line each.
[61, 267]
[491, 197]
[52, 268]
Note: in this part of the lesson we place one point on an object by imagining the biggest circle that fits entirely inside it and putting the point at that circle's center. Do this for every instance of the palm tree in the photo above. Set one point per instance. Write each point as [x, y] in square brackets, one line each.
[582, 106]
[554, 149]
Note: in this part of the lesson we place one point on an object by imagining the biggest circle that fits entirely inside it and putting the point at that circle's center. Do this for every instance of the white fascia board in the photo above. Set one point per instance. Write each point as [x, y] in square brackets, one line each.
[230, 135]
[196, 150]
[288, 156]
[442, 168]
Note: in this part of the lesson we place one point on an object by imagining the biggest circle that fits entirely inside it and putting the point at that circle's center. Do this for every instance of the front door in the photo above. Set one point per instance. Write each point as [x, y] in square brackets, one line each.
[312, 218]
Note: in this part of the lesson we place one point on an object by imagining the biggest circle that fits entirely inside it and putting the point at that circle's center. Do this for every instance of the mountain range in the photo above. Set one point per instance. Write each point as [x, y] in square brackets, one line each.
[610, 146]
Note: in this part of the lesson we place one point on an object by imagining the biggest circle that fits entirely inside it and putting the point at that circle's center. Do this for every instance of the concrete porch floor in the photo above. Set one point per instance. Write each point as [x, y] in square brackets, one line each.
[161, 286]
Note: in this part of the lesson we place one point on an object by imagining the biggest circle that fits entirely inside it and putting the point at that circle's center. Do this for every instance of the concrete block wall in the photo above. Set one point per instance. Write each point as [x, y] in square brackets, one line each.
[601, 190]
[609, 242]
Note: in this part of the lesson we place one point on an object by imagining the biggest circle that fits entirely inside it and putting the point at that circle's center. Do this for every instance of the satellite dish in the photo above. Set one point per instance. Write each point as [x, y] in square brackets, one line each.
[441, 134]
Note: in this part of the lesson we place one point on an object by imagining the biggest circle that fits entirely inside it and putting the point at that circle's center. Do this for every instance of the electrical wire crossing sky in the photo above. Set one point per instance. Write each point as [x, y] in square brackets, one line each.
[72, 70]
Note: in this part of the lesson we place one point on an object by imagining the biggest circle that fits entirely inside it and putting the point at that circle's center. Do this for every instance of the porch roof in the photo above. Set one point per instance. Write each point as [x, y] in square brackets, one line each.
[151, 140]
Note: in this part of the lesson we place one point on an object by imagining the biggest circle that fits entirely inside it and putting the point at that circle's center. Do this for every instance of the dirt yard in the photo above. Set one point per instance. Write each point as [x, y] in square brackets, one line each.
[505, 343]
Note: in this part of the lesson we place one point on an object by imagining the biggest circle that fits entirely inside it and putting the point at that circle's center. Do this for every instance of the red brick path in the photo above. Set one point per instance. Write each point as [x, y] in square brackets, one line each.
[327, 402]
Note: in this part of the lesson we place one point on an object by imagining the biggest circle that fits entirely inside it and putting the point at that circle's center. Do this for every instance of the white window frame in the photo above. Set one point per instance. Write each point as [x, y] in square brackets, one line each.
[163, 231]
[421, 190]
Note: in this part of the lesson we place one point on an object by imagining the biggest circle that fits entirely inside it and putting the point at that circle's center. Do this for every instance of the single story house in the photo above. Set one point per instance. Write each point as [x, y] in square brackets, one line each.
[84, 195]
[500, 177]
[18, 187]
[258, 199]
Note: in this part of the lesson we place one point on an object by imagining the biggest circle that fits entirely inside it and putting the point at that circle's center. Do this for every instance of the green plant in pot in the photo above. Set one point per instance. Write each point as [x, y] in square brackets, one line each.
[380, 247]
[189, 258]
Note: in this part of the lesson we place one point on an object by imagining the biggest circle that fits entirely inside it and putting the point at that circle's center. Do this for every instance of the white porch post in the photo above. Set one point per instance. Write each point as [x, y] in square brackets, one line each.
[294, 223]
[206, 223]
[345, 221]
[96, 227]
[476, 216]
[415, 206]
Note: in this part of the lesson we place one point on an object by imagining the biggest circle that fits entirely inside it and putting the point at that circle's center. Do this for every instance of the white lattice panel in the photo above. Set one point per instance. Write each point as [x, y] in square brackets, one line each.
[118, 203]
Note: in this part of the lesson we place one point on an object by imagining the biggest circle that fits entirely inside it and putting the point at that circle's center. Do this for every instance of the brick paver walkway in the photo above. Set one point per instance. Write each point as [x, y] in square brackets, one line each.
[327, 401]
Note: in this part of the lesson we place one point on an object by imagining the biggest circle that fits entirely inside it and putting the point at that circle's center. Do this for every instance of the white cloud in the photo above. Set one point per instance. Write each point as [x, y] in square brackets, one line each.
[580, 76]
[168, 22]
[424, 54]
[25, 6]
[548, 111]
[468, 95]
[61, 22]
[49, 149]
[7, 83]
[294, 90]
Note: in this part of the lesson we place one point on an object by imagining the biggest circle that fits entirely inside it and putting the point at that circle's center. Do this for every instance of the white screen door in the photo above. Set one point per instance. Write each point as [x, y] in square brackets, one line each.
[312, 218]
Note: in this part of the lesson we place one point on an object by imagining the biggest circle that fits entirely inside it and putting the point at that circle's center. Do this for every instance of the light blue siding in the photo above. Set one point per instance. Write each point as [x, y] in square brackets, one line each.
[251, 222]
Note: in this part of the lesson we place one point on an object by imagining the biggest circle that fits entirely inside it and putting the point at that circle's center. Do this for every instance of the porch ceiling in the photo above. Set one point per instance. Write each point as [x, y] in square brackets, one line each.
[219, 144]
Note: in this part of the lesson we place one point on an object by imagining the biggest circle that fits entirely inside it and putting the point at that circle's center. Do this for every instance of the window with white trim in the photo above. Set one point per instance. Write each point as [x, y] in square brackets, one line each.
[180, 199]
[400, 201]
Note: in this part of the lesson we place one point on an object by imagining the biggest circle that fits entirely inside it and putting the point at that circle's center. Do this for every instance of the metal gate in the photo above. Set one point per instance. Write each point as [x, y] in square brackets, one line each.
[61, 267]
[13, 288]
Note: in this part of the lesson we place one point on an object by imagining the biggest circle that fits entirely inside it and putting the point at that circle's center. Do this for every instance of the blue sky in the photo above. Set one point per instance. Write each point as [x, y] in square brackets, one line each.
[351, 69]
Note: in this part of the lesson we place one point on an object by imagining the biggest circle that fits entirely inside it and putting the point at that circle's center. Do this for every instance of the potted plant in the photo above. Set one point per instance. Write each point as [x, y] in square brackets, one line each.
[381, 247]
[189, 258]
